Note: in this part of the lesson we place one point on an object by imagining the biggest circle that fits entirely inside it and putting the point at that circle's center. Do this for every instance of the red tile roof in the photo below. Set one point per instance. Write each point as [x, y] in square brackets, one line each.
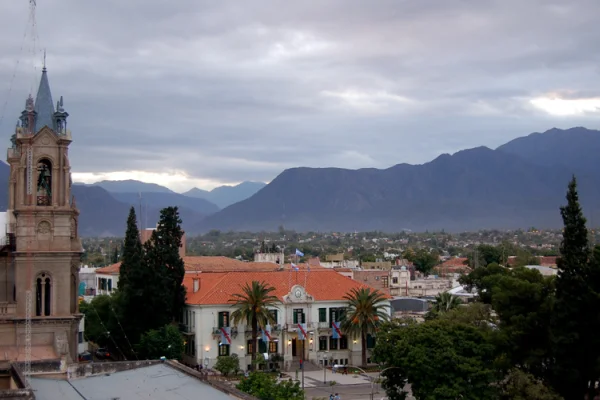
[110, 269]
[218, 287]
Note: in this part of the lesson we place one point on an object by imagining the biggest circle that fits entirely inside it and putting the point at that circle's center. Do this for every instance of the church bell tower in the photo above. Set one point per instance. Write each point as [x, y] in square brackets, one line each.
[42, 221]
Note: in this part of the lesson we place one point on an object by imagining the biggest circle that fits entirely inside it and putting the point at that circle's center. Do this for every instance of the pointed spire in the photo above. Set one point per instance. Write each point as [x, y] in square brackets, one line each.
[44, 106]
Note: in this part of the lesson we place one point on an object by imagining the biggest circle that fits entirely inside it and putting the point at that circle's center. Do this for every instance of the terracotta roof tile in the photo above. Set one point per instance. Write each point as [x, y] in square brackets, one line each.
[109, 269]
[218, 287]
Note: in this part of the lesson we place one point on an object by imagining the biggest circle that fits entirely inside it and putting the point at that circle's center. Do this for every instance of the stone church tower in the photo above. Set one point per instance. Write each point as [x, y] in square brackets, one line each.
[42, 250]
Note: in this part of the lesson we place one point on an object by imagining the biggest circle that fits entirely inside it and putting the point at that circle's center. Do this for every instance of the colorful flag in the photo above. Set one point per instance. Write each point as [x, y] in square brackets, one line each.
[301, 331]
[299, 253]
[266, 334]
[295, 267]
[336, 332]
[225, 335]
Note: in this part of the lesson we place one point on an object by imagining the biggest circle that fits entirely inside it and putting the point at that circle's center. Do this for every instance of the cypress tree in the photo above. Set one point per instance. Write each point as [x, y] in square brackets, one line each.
[132, 252]
[166, 264]
[133, 277]
[575, 325]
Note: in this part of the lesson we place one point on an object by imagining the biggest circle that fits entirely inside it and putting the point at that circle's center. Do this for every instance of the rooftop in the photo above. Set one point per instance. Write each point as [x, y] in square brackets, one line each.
[158, 382]
[218, 287]
[214, 264]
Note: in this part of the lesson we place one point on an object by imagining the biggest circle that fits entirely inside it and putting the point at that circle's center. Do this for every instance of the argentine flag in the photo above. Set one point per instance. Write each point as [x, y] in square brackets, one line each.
[299, 253]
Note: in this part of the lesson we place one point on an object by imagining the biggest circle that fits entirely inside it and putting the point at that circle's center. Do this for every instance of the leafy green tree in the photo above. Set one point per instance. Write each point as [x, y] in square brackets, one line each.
[519, 385]
[164, 342]
[441, 359]
[482, 279]
[252, 308]
[523, 300]
[486, 254]
[265, 387]
[166, 267]
[366, 310]
[423, 260]
[576, 321]
[227, 364]
[103, 323]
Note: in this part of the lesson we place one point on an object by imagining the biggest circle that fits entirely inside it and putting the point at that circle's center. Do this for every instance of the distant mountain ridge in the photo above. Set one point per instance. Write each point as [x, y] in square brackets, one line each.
[224, 196]
[517, 185]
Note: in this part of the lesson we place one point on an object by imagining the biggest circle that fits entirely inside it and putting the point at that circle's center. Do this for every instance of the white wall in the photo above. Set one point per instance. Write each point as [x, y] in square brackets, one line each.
[114, 282]
[82, 343]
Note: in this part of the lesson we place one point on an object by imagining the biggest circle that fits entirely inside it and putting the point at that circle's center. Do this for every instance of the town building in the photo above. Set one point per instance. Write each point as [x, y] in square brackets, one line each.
[41, 249]
[314, 298]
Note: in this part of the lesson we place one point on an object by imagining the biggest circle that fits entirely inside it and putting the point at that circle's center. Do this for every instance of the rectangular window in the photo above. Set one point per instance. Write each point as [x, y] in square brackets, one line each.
[333, 343]
[395, 279]
[249, 346]
[109, 285]
[224, 350]
[370, 341]
[272, 346]
[322, 315]
[299, 317]
[262, 346]
[344, 343]
[322, 343]
[223, 319]
[337, 314]
[274, 314]
[386, 281]
[80, 336]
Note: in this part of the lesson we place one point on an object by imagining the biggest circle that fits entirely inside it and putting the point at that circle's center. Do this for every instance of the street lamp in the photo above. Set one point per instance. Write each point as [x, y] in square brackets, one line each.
[324, 357]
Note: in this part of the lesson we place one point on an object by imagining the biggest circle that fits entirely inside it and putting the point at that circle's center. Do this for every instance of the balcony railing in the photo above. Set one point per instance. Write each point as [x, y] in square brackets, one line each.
[324, 325]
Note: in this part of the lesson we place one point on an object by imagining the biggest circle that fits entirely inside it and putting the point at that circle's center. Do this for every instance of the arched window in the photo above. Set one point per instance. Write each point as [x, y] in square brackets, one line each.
[44, 183]
[43, 295]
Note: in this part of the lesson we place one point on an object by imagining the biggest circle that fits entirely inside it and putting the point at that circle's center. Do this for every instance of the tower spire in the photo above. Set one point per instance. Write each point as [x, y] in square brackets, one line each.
[44, 66]
[44, 106]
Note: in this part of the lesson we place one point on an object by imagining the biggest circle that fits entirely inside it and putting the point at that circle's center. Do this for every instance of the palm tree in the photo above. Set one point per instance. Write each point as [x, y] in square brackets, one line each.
[253, 309]
[364, 314]
[445, 302]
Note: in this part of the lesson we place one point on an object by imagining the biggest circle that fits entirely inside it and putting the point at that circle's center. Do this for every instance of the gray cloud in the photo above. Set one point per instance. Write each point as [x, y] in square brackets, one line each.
[230, 91]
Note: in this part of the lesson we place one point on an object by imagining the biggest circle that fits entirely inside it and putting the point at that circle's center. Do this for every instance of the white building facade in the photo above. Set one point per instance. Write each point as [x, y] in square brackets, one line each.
[202, 325]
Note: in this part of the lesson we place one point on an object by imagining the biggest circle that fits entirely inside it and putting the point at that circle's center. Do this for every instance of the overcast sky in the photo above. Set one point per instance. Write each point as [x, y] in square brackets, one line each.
[201, 93]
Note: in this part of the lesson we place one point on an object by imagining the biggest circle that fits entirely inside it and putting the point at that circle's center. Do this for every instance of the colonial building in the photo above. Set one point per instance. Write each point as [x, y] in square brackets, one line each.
[41, 250]
[312, 298]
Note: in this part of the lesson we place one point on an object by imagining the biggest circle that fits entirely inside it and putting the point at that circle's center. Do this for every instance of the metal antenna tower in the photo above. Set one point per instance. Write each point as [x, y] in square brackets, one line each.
[30, 224]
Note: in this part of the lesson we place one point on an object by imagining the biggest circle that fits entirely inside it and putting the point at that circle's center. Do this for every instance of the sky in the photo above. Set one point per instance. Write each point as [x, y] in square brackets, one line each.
[202, 93]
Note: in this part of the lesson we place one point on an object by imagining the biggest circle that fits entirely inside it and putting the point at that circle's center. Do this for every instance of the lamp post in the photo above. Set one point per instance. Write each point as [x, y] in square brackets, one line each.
[324, 358]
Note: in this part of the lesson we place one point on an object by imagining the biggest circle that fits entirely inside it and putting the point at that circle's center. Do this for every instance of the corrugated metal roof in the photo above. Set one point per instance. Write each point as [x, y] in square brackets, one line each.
[156, 382]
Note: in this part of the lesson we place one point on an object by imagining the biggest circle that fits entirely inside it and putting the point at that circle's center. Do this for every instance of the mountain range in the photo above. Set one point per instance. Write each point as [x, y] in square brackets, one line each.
[517, 185]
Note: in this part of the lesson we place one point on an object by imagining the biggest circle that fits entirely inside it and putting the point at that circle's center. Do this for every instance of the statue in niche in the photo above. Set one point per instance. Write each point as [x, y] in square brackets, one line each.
[44, 184]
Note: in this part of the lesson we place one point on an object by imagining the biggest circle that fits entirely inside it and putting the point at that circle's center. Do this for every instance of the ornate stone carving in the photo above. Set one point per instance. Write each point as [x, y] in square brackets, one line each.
[44, 227]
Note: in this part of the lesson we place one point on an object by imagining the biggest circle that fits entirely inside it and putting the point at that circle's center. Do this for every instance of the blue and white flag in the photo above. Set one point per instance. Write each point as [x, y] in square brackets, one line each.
[225, 335]
[295, 267]
[301, 331]
[266, 334]
[336, 332]
[299, 253]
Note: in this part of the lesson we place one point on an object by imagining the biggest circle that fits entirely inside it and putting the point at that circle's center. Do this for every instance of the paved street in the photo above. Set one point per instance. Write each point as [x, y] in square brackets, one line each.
[347, 392]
